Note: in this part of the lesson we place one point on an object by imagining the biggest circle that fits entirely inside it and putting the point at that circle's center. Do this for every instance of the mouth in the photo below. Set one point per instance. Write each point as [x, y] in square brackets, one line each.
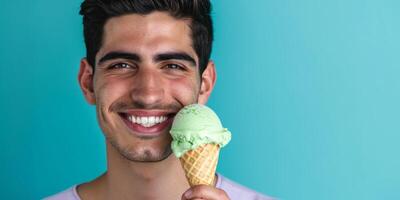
[147, 123]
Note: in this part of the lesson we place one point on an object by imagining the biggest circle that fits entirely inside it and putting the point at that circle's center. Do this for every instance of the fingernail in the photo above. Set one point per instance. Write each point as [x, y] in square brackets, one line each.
[188, 193]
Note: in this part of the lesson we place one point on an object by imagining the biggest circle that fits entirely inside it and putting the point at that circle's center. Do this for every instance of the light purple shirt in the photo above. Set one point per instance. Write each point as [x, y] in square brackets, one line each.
[234, 191]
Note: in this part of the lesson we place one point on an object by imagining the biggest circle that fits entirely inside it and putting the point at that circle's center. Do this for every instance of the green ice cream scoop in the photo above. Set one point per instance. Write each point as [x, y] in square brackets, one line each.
[195, 125]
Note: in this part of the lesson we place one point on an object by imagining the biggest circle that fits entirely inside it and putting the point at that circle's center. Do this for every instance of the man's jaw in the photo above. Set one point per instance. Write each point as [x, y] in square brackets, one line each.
[147, 123]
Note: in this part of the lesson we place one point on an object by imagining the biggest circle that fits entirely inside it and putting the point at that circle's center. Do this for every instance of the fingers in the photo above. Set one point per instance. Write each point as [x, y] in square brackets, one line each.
[204, 192]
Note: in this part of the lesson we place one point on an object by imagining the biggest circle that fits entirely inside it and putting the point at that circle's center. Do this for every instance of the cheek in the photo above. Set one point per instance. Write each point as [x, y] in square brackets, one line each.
[185, 90]
[109, 91]
[106, 93]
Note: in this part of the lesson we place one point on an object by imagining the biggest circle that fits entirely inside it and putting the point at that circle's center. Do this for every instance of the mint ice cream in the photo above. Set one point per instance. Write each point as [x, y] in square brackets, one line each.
[195, 125]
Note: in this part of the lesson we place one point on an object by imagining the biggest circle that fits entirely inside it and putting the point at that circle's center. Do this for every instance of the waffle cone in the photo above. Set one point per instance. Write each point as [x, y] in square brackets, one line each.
[200, 164]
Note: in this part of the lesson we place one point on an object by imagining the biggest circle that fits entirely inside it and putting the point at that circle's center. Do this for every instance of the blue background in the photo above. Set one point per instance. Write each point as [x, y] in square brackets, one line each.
[309, 89]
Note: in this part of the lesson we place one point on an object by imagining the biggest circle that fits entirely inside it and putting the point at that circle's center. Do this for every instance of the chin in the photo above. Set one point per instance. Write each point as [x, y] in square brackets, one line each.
[143, 152]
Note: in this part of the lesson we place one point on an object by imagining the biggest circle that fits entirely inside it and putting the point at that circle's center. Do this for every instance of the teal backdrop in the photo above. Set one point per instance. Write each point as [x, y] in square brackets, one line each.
[310, 90]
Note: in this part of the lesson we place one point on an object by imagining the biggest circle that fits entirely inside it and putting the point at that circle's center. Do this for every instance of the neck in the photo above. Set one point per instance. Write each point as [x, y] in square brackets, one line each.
[126, 179]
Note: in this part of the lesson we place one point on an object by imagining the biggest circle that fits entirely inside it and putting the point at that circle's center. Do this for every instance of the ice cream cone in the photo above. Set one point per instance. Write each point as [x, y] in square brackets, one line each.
[200, 164]
[197, 136]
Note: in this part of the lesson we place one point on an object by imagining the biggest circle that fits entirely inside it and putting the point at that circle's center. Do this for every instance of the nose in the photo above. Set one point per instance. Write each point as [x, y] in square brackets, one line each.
[147, 88]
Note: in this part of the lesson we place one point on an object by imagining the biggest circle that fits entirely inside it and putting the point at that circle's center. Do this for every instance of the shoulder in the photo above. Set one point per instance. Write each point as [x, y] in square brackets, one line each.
[236, 191]
[68, 194]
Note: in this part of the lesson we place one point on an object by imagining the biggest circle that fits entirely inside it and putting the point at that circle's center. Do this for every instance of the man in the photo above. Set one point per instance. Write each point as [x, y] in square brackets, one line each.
[146, 59]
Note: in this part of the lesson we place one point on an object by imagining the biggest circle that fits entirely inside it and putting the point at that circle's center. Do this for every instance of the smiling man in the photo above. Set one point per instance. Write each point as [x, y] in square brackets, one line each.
[145, 61]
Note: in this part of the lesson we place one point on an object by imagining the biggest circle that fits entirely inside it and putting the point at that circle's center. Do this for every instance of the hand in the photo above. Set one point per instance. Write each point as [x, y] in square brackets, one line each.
[200, 192]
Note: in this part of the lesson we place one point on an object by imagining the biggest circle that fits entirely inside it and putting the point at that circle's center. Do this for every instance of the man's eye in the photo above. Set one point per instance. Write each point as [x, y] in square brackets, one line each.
[175, 66]
[120, 66]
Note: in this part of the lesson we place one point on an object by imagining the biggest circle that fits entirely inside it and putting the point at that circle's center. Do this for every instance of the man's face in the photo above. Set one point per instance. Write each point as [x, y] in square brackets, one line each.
[146, 70]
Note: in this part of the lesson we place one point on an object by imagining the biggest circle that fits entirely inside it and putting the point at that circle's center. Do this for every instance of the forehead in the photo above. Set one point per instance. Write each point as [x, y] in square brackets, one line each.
[147, 34]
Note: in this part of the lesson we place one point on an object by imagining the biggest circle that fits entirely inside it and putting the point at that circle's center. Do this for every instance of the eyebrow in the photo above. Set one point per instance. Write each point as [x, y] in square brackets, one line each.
[159, 57]
[175, 56]
[117, 54]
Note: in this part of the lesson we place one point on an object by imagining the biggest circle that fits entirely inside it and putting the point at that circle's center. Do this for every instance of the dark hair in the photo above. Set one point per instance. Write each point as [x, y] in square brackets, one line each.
[97, 12]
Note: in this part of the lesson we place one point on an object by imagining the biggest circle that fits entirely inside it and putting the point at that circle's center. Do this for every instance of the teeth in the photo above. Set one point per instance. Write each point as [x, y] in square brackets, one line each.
[152, 120]
[133, 119]
[147, 121]
[144, 120]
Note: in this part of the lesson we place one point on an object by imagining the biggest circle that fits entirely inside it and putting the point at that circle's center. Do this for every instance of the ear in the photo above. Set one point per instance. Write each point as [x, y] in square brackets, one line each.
[85, 79]
[208, 79]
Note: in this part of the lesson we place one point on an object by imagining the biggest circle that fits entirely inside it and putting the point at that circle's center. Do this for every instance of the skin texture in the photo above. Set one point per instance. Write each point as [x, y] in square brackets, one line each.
[140, 165]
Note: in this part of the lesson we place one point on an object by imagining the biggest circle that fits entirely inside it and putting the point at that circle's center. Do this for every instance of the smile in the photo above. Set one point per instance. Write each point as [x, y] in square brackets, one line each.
[146, 123]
